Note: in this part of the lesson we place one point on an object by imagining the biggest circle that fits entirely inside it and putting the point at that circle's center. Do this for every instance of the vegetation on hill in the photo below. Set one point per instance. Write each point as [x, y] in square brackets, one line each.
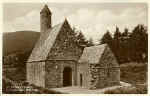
[128, 46]
[19, 41]
[14, 65]
[134, 73]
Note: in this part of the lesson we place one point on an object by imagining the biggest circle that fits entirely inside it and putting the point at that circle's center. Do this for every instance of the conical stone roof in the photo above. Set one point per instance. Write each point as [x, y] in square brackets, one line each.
[45, 10]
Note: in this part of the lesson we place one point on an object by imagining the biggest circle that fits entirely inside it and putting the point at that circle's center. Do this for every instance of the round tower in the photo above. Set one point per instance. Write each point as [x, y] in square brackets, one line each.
[45, 19]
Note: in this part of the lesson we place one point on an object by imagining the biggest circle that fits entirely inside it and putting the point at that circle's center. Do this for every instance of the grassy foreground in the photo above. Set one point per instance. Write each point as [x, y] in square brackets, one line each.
[135, 74]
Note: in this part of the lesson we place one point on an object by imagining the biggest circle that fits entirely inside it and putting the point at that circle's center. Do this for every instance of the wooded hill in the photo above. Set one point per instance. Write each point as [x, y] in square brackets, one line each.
[19, 41]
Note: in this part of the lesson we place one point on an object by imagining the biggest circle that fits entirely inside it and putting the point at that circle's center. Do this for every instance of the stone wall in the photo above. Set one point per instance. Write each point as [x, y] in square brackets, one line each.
[36, 73]
[106, 72]
[65, 52]
[64, 46]
[83, 69]
[113, 73]
[54, 73]
[98, 76]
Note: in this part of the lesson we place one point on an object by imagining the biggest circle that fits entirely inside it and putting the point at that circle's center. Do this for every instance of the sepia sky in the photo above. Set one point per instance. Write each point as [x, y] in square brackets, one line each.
[93, 19]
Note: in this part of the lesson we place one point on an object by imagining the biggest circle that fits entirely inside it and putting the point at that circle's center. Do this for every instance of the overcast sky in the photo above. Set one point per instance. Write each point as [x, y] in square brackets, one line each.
[92, 19]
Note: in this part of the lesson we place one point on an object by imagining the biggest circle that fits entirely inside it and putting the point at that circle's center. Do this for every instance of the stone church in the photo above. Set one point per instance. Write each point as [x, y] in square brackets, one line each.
[58, 61]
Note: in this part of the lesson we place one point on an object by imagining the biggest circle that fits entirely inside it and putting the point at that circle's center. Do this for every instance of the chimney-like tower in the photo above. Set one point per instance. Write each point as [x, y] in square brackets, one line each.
[45, 19]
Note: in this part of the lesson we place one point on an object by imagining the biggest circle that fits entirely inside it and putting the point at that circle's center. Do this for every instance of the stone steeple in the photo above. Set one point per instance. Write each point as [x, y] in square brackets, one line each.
[45, 19]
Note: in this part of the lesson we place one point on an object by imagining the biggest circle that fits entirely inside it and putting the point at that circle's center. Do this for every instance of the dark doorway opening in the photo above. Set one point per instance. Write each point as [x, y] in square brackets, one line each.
[81, 78]
[67, 76]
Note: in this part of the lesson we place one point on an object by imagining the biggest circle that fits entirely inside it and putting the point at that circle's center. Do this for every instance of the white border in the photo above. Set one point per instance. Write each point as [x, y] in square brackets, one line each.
[68, 1]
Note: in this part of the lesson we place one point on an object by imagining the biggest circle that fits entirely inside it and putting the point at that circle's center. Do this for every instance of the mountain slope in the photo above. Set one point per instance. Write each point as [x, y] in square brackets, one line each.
[19, 41]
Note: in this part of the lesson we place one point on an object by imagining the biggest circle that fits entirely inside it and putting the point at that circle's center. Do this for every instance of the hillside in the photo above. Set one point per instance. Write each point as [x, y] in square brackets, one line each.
[19, 41]
[134, 73]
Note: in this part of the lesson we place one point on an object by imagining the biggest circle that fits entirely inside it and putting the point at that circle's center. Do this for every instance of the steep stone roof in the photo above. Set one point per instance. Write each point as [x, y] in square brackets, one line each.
[92, 54]
[45, 43]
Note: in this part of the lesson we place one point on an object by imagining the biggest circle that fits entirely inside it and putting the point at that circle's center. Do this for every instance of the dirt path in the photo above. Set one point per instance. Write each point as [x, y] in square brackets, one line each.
[81, 90]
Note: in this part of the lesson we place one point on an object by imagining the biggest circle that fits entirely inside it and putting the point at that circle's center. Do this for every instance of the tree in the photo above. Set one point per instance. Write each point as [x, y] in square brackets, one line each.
[124, 46]
[125, 33]
[139, 43]
[116, 44]
[74, 34]
[106, 38]
[80, 38]
[117, 34]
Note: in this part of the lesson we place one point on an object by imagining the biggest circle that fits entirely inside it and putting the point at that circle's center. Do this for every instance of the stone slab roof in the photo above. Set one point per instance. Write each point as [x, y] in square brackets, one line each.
[92, 54]
[45, 43]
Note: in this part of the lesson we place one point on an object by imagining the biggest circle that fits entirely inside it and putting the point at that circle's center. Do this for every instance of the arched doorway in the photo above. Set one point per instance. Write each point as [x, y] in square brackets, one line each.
[67, 76]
